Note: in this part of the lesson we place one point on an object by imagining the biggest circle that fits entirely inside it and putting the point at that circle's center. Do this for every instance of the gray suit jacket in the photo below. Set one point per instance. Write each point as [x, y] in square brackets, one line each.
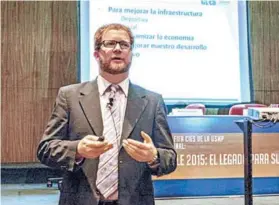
[76, 114]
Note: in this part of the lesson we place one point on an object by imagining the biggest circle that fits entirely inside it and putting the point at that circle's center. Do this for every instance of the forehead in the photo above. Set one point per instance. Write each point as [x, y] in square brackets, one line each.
[116, 35]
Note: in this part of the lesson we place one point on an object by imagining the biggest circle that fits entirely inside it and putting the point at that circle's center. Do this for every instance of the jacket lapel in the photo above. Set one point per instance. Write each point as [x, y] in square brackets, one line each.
[136, 104]
[90, 104]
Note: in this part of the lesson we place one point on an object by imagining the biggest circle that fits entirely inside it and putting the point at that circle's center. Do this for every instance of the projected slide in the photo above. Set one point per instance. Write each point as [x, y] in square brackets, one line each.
[185, 50]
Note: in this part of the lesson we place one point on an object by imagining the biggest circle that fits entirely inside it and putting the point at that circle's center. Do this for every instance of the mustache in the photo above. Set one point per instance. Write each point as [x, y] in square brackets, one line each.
[105, 66]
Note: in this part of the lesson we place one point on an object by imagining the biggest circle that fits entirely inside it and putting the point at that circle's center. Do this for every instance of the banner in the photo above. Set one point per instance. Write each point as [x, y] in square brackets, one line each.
[210, 155]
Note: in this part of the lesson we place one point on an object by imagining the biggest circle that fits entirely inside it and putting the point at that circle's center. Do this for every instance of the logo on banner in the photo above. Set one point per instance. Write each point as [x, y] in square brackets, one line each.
[208, 2]
[214, 2]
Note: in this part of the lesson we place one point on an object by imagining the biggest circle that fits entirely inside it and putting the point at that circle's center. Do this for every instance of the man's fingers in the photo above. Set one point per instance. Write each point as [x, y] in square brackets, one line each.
[135, 149]
[91, 138]
[146, 137]
[95, 144]
[98, 151]
[91, 147]
[132, 152]
[138, 144]
[108, 147]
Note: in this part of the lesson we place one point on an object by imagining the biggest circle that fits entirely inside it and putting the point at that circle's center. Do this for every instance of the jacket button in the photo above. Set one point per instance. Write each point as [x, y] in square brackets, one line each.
[120, 161]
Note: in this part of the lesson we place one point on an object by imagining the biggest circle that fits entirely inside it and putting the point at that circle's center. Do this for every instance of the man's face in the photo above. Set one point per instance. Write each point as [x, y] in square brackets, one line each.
[113, 57]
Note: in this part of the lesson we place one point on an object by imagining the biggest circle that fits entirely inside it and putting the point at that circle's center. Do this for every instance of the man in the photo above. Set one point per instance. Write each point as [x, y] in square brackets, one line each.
[109, 135]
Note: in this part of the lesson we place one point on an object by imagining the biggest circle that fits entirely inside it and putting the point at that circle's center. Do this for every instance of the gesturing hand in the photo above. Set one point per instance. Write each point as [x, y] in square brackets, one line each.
[141, 151]
[90, 147]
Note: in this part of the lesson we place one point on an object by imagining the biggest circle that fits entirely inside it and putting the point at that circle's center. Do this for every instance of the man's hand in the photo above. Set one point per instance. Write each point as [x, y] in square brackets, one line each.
[142, 152]
[90, 147]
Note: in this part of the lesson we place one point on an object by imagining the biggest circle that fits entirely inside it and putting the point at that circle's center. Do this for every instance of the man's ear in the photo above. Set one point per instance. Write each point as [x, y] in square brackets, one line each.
[96, 55]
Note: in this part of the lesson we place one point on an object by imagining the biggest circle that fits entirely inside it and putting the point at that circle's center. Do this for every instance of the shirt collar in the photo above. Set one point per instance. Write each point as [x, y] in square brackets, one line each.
[103, 84]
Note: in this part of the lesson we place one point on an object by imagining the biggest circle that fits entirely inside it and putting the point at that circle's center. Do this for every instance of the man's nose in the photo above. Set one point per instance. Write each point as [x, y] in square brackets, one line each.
[117, 47]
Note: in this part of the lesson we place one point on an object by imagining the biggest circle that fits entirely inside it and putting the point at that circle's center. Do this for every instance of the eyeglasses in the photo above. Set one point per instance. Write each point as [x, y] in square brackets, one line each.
[112, 44]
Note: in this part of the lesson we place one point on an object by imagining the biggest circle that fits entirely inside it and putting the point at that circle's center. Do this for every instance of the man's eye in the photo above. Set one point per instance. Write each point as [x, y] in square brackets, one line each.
[110, 43]
[124, 44]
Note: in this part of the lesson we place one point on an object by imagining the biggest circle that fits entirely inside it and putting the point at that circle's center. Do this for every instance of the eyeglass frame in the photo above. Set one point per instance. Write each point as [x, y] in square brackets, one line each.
[117, 42]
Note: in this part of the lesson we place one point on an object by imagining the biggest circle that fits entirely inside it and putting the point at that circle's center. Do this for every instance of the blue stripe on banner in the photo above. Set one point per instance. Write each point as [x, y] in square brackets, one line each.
[213, 187]
[215, 124]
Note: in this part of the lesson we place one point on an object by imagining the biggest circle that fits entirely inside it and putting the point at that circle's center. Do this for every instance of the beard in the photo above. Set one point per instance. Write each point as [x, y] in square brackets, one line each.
[115, 68]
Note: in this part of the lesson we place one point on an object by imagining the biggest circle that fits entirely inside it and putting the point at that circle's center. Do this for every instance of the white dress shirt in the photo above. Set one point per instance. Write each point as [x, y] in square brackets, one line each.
[121, 96]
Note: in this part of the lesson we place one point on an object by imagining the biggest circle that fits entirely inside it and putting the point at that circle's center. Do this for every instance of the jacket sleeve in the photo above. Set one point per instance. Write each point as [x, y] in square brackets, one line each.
[163, 141]
[55, 149]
